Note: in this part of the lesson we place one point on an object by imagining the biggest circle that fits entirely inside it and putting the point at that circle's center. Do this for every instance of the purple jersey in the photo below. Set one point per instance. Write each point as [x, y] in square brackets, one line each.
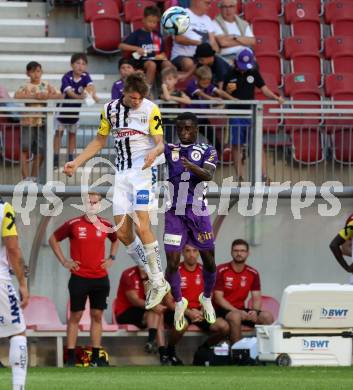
[199, 154]
[77, 86]
[192, 88]
[117, 89]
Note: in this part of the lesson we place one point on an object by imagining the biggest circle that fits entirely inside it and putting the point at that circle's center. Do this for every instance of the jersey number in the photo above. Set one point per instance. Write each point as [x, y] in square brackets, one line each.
[124, 154]
[12, 218]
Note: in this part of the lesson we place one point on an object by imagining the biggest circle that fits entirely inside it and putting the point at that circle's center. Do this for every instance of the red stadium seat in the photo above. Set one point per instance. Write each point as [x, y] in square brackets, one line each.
[304, 54]
[338, 82]
[268, 303]
[338, 44]
[253, 8]
[307, 145]
[342, 145]
[339, 121]
[105, 34]
[10, 145]
[303, 18]
[94, 8]
[263, 27]
[41, 315]
[214, 9]
[304, 119]
[338, 10]
[271, 63]
[295, 82]
[342, 63]
[133, 9]
[266, 45]
[342, 27]
[85, 322]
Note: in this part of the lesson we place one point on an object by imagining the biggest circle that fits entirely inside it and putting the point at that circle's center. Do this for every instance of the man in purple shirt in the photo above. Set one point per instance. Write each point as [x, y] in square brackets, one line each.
[75, 84]
[187, 221]
[126, 67]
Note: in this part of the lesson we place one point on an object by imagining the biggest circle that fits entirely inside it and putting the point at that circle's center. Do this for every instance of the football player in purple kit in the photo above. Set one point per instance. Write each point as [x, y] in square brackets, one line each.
[190, 165]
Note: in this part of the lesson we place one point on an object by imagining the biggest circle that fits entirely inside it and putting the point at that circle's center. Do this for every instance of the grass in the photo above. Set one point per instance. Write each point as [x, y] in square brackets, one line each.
[186, 378]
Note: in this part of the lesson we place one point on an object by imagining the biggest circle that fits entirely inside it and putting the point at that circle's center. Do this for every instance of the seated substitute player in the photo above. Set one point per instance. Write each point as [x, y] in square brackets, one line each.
[12, 323]
[341, 246]
[234, 282]
[190, 164]
[89, 273]
[192, 286]
[136, 125]
[130, 309]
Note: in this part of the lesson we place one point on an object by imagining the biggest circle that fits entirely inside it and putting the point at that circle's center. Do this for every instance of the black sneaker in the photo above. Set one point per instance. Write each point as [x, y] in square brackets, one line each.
[164, 360]
[99, 363]
[150, 347]
[175, 361]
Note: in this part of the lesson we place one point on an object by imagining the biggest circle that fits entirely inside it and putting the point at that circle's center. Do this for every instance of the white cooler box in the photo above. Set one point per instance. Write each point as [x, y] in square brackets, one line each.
[314, 327]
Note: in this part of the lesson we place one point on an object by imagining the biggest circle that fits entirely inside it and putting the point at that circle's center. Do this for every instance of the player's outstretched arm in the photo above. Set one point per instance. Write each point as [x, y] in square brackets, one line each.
[90, 151]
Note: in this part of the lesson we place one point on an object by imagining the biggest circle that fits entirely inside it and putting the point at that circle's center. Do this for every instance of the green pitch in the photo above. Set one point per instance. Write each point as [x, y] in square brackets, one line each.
[185, 378]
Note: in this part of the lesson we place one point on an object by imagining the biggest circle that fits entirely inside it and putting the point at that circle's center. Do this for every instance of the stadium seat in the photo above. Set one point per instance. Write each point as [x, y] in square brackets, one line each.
[342, 145]
[303, 18]
[303, 52]
[10, 145]
[342, 63]
[133, 9]
[338, 44]
[271, 63]
[93, 8]
[255, 7]
[339, 121]
[295, 82]
[338, 82]
[337, 10]
[268, 303]
[307, 145]
[85, 323]
[41, 315]
[342, 27]
[105, 33]
[266, 45]
[304, 119]
[214, 9]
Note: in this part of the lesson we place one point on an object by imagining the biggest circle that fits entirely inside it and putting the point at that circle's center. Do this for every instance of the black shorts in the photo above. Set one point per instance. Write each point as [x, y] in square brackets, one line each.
[220, 312]
[139, 64]
[169, 320]
[132, 315]
[96, 289]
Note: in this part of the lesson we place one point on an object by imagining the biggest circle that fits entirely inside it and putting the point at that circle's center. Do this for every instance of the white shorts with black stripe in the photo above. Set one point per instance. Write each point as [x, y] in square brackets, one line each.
[11, 316]
[134, 190]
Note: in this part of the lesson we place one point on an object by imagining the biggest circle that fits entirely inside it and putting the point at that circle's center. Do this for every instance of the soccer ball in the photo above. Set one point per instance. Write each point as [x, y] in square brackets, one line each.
[175, 21]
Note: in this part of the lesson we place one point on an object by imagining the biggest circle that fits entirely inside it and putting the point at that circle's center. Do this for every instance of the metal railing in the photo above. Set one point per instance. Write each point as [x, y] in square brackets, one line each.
[298, 141]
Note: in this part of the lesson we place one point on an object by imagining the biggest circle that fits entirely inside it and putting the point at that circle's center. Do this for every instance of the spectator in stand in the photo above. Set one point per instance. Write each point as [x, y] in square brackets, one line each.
[126, 67]
[201, 30]
[241, 82]
[130, 309]
[205, 55]
[33, 128]
[231, 30]
[171, 94]
[192, 285]
[75, 84]
[89, 272]
[341, 246]
[146, 45]
[235, 280]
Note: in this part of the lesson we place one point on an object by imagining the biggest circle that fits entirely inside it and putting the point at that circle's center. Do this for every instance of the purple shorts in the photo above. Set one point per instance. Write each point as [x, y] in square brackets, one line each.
[185, 229]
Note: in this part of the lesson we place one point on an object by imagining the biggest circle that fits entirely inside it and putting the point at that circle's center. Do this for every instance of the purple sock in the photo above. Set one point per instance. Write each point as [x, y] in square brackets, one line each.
[175, 282]
[209, 279]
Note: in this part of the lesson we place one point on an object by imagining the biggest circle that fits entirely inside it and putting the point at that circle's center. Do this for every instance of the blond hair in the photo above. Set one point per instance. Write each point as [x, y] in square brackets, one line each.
[170, 71]
[204, 72]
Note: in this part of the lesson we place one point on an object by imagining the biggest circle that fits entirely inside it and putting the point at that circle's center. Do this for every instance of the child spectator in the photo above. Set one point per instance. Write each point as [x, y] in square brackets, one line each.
[126, 67]
[33, 129]
[170, 93]
[75, 84]
[146, 45]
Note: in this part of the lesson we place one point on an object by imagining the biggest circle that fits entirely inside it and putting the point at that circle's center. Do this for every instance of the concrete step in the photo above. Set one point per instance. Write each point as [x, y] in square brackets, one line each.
[19, 9]
[12, 81]
[22, 27]
[40, 45]
[50, 63]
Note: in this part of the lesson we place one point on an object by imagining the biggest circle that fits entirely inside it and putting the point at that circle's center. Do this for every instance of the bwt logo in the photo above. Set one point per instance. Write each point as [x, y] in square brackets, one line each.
[315, 344]
[333, 313]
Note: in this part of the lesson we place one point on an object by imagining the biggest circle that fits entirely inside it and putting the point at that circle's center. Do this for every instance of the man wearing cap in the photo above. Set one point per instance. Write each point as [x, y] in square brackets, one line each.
[205, 55]
[240, 82]
[231, 30]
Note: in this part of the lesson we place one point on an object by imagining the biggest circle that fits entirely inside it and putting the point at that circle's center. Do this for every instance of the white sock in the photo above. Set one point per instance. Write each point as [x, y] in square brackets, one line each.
[137, 252]
[18, 361]
[154, 261]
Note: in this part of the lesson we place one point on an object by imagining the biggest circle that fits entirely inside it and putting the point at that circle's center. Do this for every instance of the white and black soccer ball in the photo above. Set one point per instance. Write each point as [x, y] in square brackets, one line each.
[175, 21]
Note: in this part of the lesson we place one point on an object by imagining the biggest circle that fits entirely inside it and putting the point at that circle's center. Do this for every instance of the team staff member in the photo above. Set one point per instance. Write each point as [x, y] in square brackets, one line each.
[89, 272]
[136, 125]
[235, 280]
[341, 246]
[12, 323]
[130, 309]
[192, 285]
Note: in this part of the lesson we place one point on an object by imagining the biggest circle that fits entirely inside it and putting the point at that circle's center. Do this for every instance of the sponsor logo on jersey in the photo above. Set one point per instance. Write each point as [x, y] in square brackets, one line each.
[315, 344]
[198, 280]
[98, 233]
[175, 155]
[82, 232]
[142, 197]
[195, 155]
[243, 280]
[183, 283]
[123, 133]
[172, 239]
